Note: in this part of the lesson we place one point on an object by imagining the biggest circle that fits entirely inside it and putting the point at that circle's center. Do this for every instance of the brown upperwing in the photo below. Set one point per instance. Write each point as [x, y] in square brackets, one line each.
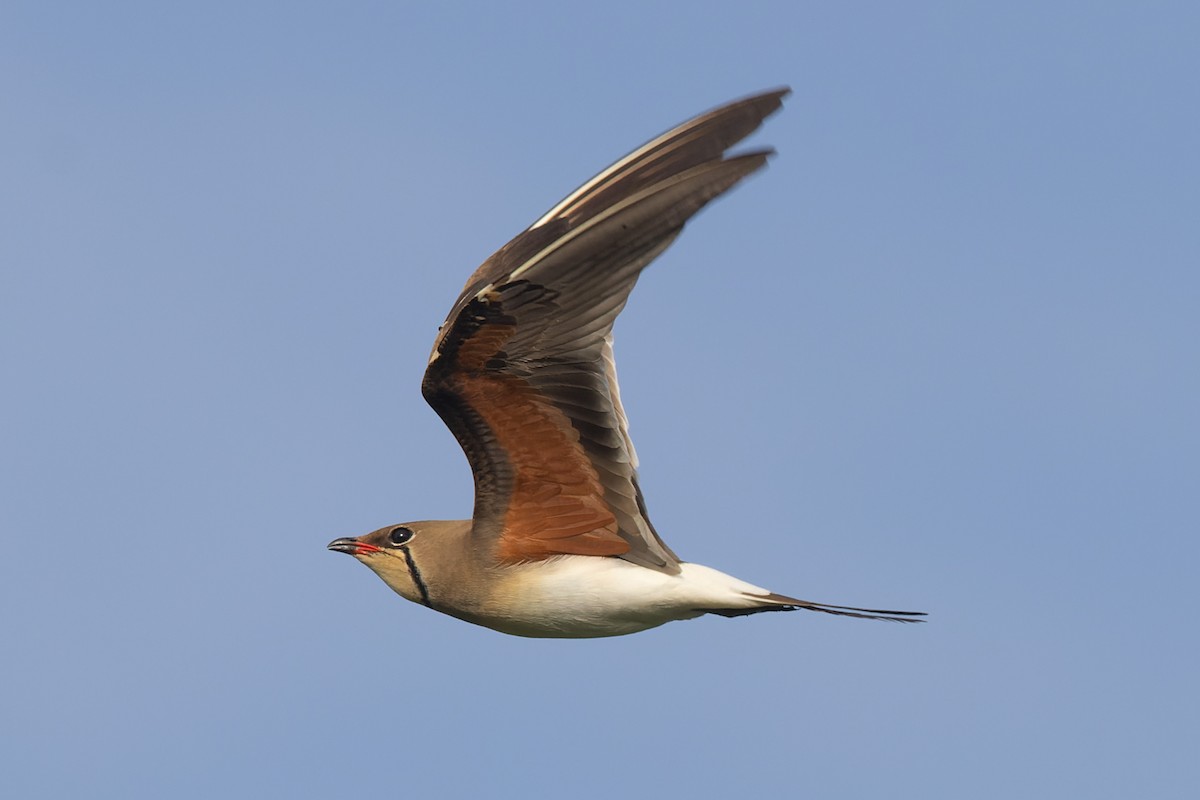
[554, 497]
[518, 372]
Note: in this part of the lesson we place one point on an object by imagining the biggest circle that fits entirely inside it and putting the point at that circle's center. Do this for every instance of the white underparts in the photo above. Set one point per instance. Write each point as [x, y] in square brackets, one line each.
[583, 596]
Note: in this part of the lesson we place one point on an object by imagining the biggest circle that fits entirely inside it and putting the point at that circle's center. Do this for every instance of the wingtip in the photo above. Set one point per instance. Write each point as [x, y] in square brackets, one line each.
[779, 92]
[772, 98]
[765, 103]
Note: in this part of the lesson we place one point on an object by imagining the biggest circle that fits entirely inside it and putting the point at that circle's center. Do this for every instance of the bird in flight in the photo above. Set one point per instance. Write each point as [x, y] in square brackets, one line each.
[522, 372]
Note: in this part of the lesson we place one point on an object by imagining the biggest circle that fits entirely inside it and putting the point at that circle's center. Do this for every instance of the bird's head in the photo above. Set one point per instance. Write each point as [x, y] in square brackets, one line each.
[407, 556]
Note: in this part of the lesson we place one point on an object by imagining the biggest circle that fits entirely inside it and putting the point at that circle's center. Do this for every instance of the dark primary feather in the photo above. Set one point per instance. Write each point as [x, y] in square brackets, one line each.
[521, 371]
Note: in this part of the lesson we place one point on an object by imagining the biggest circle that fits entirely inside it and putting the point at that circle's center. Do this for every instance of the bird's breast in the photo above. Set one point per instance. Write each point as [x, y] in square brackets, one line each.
[590, 596]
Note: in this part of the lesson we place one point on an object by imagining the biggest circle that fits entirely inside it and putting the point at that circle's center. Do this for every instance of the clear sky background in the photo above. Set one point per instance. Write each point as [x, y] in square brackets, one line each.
[942, 355]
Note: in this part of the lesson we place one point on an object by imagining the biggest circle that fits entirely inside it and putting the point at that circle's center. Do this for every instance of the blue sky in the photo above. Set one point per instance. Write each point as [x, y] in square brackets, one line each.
[941, 355]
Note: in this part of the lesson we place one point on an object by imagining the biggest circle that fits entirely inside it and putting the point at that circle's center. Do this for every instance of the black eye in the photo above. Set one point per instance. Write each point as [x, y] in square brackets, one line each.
[399, 535]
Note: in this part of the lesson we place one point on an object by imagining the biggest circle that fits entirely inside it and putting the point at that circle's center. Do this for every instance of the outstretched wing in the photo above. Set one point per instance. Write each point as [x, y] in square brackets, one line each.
[522, 371]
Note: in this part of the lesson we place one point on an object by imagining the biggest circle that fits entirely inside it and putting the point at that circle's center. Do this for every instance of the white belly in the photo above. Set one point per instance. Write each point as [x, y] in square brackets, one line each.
[586, 596]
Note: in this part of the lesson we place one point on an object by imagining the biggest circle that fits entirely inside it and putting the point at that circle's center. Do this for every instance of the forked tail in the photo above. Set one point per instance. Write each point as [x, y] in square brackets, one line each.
[779, 602]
